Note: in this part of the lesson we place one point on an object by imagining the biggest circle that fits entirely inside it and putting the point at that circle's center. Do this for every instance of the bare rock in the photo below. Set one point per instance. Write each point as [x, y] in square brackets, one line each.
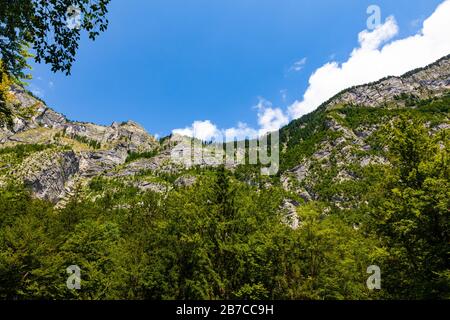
[185, 181]
[290, 217]
[95, 163]
[49, 180]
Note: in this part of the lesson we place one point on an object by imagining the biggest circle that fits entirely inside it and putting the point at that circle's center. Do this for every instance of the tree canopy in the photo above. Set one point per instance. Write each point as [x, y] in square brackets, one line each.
[42, 25]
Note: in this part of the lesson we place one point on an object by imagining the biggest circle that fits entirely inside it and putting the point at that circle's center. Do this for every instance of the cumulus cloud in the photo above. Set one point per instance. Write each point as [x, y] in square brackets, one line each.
[207, 131]
[269, 118]
[379, 56]
[371, 40]
[241, 132]
[203, 130]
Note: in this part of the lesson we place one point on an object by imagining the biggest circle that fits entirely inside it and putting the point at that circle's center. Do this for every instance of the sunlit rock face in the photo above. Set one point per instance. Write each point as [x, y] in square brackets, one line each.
[79, 152]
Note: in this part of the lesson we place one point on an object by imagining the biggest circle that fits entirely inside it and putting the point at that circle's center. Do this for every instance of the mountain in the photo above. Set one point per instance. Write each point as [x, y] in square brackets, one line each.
[363, 186]
[337, 135]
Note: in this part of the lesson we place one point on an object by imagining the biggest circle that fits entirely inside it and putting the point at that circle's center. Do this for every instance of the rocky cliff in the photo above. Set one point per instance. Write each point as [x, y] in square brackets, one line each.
[335, 141]
[345, 129]
[423, 83]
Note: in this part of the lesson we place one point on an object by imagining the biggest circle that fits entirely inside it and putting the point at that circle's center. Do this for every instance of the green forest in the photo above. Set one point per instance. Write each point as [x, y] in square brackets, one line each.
[370, 187]
[223, 239]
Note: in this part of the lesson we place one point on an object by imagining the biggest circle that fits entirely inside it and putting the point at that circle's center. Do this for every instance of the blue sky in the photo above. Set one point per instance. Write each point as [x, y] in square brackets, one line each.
[168, 63]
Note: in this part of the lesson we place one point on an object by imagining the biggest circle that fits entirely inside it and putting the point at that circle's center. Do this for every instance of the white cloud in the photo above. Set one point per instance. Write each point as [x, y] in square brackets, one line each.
[269, 118]
[376, 58]
[298, 65]
[371, 40]
[203, 130]
[207, 131]
[242, 132]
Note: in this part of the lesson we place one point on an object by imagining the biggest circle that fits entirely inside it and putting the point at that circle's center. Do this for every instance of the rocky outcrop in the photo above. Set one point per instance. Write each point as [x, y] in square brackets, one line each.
[185, 181]
[301, 171]
[53, 173]
[51, 119]
[290, 216]
[30, 113]
[422, 83]
[340, 152]
[129, 136]
[177, 153]
[95, 163]
[103, 150]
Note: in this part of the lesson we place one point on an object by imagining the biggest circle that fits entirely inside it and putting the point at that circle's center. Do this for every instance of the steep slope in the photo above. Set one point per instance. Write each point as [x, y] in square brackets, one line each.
[331, 153]
[326, 155]
[75, 149]
[422, 83]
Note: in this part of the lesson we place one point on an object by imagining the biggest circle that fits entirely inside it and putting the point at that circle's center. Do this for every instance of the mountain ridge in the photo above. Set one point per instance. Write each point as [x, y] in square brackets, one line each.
[81, 151]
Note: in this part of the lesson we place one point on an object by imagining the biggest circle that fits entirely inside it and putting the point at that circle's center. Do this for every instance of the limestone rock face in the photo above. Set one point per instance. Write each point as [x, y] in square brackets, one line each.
[34, 113]
[97, 150]
[128, 135]
[301, 171]
[290, 218]
[95, 163]
[51, 119]
[423, 83]
[176, 154]
[48, 180]
[136, 138]
[31, 113]
[52, 174]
